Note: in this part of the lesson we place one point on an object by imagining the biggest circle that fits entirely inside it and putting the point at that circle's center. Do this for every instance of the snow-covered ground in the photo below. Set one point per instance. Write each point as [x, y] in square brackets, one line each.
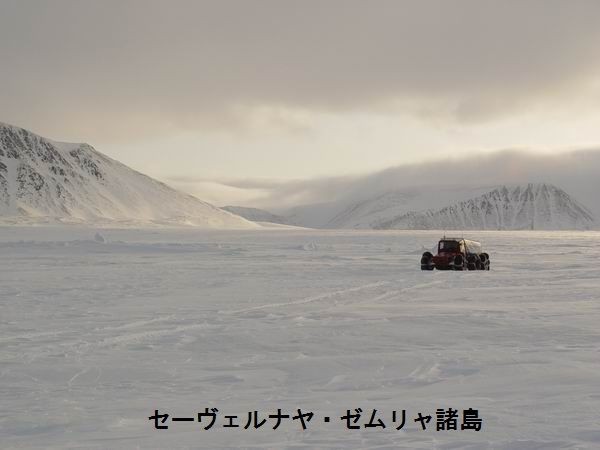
[98, 331]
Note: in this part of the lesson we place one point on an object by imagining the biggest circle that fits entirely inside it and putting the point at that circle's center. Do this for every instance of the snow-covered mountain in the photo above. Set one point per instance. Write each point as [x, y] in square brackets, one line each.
[540, 206]
[370, 213]
[532, 206]
[46, 181]
[257, 215]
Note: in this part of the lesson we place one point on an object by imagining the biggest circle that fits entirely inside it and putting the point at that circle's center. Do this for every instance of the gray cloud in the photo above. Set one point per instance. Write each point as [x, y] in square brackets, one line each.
[143, 66]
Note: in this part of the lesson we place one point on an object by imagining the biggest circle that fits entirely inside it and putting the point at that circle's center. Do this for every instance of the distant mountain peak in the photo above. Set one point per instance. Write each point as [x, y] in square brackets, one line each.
[49, 181]
[537, 206]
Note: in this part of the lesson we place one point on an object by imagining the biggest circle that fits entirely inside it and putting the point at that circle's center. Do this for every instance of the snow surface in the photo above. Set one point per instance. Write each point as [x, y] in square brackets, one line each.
[99, 330]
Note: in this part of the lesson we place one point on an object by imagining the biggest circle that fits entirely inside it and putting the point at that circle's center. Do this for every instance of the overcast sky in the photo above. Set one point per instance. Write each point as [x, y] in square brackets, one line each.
[198, 93]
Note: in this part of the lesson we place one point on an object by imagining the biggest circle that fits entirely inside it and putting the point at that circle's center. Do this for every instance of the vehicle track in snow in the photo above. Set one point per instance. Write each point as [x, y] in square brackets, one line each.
[311, 299]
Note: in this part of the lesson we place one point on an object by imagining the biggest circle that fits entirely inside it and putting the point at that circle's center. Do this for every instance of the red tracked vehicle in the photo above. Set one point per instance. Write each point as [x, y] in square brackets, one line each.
[456, 254]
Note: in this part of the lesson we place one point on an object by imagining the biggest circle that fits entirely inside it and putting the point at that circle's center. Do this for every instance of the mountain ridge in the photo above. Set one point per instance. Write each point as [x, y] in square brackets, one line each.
[42, 180]
[540, 206]
[536, 206]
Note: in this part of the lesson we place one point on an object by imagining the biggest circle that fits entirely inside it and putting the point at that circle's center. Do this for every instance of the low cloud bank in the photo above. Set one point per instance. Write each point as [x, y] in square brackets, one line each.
[576, 172]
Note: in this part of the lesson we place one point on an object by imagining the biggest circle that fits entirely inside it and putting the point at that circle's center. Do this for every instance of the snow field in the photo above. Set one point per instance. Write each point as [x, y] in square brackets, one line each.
[95, 334]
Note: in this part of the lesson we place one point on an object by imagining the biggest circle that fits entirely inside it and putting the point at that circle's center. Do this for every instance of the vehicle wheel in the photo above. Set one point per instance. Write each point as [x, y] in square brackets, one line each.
[485, 259]
[472, 262]
[459, 262]
[481, 262]
[427, 261]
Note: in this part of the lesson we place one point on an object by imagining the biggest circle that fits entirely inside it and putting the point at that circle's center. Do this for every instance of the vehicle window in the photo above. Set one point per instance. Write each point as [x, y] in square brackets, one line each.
[448, 246]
